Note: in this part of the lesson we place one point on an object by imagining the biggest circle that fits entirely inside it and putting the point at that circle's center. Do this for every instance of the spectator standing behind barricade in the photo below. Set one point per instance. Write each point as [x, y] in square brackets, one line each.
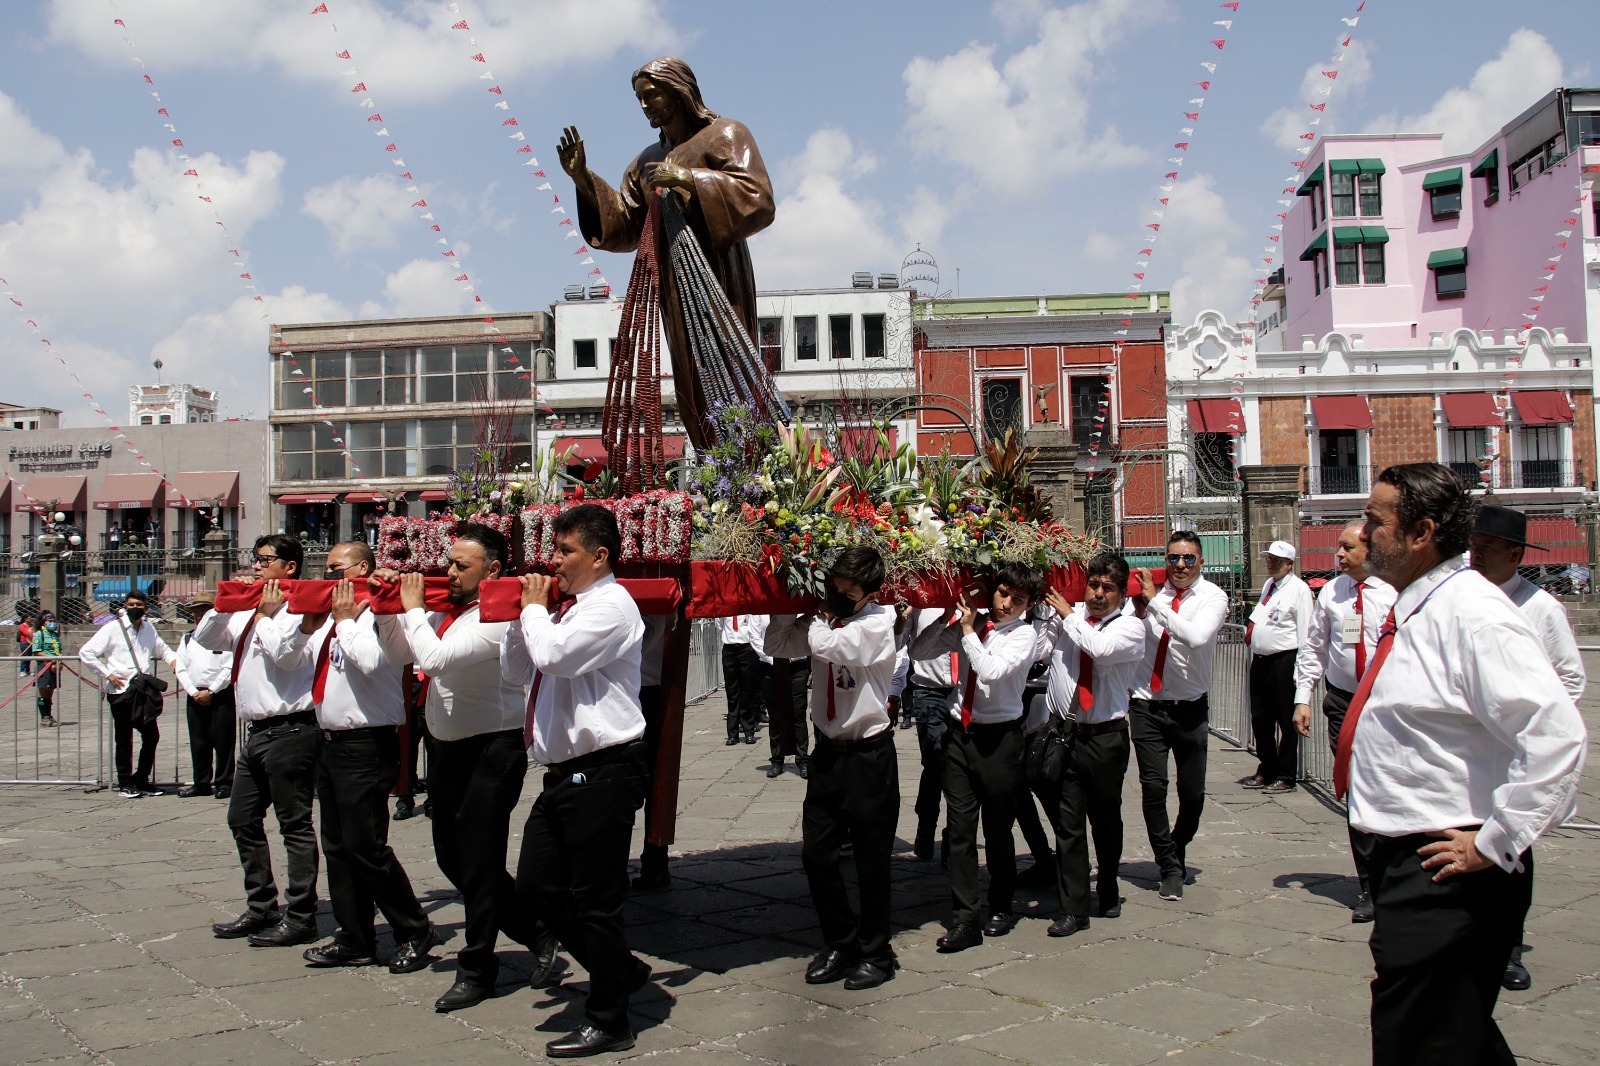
[408, 783]
[853, 792]
[47, 642]
[206, 677]
[930, 692]
[741, 674]
[119, 652]
[1340, 645]
[1276, 633]
[983, 744]
[795, 693]
[24, 640]
[1170, 707]
[1460, 749]
[1499, 542]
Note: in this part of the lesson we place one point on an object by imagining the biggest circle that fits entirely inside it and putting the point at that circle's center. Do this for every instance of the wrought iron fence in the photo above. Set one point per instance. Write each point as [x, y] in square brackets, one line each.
[705, 660]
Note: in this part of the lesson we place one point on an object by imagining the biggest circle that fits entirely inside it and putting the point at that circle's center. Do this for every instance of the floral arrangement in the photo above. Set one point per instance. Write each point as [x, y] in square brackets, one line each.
[655, 526]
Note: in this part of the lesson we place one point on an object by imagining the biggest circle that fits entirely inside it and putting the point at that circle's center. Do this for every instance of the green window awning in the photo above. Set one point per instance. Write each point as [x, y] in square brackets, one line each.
[1442, 179]
[1446, 258]
[1344, 166]
[1318, 245]
[1374, 235]
[1487, 165]
[1347, 235]
[1311, 182]
[1372, 166]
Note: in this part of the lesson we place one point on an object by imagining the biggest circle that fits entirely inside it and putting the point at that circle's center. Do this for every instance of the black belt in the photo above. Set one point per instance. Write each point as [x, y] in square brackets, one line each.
[1008, 726]
[1094, 729]
[358, 733]
[877, 740]
[615, 753]
[1264, 656]
[298, 717]
[1175, 703]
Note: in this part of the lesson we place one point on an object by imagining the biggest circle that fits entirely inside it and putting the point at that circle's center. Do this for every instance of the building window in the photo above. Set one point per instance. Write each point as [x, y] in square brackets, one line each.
[1342, 190]
[1339, 461]
[1449, 266]
[1084, 395]
[840, 342]
[399, 376]
[872, 336]
[1318, 214]
[308, 452]
[1358, 255]
[1347, 264]
[1319, 273]
[583, 355]
[144, 420]
[770, 337]
[166, 420]
[472, 373]
[1445, 202]
[1540, 458]
[513, 371]
[1466, 447]
[1369, 187]
[366, 379]
[1002, 406]
[805, 337]
[1372, 271]
[1491, 185]
[1213, 464]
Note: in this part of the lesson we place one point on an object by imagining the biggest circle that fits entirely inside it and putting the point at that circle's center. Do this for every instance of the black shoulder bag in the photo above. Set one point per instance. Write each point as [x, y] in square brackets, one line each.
[147, 689]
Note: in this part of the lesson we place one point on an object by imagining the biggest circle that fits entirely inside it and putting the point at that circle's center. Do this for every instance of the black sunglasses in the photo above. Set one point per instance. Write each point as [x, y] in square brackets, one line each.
[1187, 559]
[263, 560]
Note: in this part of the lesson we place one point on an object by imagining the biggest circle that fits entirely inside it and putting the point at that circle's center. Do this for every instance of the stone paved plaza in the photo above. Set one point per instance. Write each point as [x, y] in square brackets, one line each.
[106, 953]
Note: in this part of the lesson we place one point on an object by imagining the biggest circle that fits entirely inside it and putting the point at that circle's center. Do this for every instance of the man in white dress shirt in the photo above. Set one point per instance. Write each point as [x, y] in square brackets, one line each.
[1499, 540]
[1460, 749]
[358, 660]
[585, 726]
[1170, 708]
[111, 653]
[206, 678]
[930, 690]
[742, 679]
[1096, 655]
[278, 767]
[1340, 644]
[983, 745]
[853, 791]
[1276, 632]
[476, 760]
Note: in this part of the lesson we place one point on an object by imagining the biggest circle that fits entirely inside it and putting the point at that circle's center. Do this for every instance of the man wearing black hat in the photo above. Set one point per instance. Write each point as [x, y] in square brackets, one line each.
[1499, 541]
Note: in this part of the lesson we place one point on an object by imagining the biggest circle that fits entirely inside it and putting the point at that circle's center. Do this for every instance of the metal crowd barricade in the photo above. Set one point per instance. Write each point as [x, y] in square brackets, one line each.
[1230, 709]
[70, 753]
[705, 662]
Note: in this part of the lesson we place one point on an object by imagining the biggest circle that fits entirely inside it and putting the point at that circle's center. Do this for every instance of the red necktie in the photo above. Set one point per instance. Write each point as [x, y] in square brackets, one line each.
[538, 676]
[1086, 675]
[831, 712]
[972, 678]
[244, 639]
[319, 687]
[1361, 640]
[1266, 594]
[736, 623]
[1347, 731]
[1161, 649]
[424, 681]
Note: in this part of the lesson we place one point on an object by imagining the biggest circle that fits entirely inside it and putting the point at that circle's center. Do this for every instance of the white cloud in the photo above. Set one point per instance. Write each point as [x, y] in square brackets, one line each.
[422, 287]
[1500, 89]
[1104, 248]
[1199, 235]
[1019, 125]
[29, 153]
[1286, 125]
[925, 214]
[359, 213]
[403, 50]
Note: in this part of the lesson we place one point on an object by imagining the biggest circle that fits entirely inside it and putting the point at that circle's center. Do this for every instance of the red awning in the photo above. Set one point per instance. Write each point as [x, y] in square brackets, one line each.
[1468, 410]
[1341, 412]
[586, 449]
[203, 488]
[69, 493]
[1541, 408]
[1216, 416]
[313, 497]
[433, 495]
[120, 491]
[672, 447]
[364, 497]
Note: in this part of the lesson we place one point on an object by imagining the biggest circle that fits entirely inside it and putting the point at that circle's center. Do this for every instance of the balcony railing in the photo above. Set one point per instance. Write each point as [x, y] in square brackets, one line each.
[1543, 474]
[1208, 482]
[1340, 480]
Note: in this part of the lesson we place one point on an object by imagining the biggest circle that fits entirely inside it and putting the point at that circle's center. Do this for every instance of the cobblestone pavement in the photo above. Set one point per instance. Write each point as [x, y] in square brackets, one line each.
[106, 954]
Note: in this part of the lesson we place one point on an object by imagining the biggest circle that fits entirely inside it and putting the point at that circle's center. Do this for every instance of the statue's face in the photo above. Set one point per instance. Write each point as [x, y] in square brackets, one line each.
[659, 103]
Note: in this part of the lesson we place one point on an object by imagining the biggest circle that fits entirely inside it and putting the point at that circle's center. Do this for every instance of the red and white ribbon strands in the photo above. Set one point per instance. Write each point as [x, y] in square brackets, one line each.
[409, 189]
[245, 275]
[475, 54]
[1151, 233]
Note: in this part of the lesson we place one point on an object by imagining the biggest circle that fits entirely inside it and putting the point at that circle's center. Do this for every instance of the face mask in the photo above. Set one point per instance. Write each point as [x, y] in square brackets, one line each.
[51, 626]
[839, 604]
[134, 613]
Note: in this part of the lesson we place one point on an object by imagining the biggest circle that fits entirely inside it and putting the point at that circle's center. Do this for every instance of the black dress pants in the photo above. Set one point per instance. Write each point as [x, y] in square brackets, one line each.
[213, 735]
[1181, 730]
[852, 793]
[797, 693]
[573, 870]
[741, 676]
[1440, 951]
[652, 857]
[474, 783]
[1272, 716]
[931, 707]
[354, 772]
[982, 765]
[278, 769]
[1335, 702]
[122, 730]
[1091, 801]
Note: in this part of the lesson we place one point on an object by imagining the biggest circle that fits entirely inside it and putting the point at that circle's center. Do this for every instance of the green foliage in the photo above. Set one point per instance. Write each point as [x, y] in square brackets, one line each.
[1004, 479]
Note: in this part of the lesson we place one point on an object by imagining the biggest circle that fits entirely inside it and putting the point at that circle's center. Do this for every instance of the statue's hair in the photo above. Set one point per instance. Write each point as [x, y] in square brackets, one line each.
[675, 74]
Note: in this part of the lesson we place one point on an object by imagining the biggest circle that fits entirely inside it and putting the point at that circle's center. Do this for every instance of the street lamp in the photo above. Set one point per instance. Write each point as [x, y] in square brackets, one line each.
[542, 358]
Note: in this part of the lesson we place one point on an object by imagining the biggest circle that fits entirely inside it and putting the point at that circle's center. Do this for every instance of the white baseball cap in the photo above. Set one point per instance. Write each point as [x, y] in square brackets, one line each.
[1282, 549]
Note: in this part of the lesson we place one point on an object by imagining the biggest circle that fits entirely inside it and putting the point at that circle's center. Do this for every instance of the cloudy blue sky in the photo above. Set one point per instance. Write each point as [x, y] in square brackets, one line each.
[1022, 143]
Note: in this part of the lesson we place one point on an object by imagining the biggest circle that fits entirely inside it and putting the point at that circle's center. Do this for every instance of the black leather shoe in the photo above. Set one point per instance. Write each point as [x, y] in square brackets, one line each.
[404, 809]
[869, 975]
[749, 738]
[803, 770]
[1068, 924]
[730, 742]
[588, 1041]
[641, 975]
[545, 966]
[462, 994]
[775, 769]
[247, 923]
[922, 846]
[962, 935]
[337, 954]
[413, 954]
[285, 934]
[1516, 978]
[1000, 923]
[829, 966]
[1255, 781]
[223, 793]
[1171, 885]
[654, 881]
[1364, 912]
[190, 791]
[1109, 900]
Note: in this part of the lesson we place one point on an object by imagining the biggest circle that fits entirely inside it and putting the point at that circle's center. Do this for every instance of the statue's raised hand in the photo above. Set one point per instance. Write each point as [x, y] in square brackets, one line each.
[573, 160]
